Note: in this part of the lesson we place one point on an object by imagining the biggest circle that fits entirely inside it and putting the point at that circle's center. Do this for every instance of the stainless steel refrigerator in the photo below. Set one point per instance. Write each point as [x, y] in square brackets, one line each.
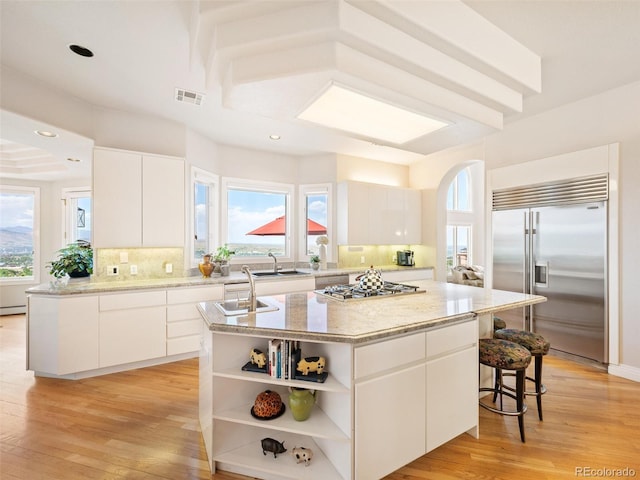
[559, 252]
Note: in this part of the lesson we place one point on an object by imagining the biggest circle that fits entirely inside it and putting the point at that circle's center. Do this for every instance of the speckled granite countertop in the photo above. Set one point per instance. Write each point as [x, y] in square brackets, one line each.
[86, 286]
[314, 317]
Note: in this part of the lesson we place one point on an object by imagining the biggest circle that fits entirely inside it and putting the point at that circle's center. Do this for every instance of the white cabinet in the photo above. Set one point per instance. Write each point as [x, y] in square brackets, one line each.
[452, 382]
[383, 405]
[371, 214]
[62, 334]
[184, 323]
[275, 287]
[132, 327]
[138, 200]
[390, 401]
[408, 275]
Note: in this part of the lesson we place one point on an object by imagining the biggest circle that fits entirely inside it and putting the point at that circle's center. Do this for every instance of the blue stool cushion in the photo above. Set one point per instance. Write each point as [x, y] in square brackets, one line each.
[533, 342]
[503, 354]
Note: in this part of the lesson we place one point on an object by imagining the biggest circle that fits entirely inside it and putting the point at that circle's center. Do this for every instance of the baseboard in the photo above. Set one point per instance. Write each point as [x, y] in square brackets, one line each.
[625, 371]
[13, 310]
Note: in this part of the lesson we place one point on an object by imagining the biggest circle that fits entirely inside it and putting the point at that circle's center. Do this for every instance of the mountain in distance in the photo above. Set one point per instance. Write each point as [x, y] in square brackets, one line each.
[11, 237]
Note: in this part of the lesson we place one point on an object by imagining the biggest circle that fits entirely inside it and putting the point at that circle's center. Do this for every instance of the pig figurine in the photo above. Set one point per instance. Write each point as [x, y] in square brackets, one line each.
[258, 358]
[311, 364]
[302, 454]
[272, 445]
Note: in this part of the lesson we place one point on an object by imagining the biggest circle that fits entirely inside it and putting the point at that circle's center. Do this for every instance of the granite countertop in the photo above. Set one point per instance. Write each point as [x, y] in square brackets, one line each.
[314, 317]
[87, 286]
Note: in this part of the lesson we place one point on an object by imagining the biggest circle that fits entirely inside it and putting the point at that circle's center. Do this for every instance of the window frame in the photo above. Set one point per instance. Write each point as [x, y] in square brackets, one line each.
[36, 272]
[286, 189]
[67, 228]
[456, 192]
[304, 191]
[213, 181]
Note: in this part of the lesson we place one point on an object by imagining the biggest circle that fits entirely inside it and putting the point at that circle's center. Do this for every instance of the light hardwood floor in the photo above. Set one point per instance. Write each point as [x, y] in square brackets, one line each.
[143, 424]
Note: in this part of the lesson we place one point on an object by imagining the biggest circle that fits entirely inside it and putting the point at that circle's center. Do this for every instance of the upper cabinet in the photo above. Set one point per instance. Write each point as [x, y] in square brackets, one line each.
[138, 200]
[370, 214]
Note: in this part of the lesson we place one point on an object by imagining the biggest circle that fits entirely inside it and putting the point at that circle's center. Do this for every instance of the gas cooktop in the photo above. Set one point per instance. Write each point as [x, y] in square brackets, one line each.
[351, 292]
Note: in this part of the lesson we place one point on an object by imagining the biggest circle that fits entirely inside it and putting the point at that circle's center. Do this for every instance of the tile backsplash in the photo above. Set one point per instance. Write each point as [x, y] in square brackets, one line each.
[137, 263]
[376, 255]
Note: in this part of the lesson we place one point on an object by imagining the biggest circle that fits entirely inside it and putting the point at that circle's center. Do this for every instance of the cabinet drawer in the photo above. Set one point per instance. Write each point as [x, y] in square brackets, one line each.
[378, 357]
[122, 301]
[181, 329]
[451, 338]
[194, 294]
[175, 346]
[176, 313]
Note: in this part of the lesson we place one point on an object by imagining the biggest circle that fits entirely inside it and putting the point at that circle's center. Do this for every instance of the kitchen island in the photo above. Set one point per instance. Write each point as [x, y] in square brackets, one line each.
[402, 379]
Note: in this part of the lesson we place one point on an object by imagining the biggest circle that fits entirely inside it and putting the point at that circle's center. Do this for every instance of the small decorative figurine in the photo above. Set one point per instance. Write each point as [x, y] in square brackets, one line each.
[311, 364]
[258, 358]
[302, 454]
[273, 446]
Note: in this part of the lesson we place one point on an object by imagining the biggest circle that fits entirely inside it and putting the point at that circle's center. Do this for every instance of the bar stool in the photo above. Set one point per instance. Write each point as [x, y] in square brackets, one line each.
[498, 324]
[505, 355]
[539, 347]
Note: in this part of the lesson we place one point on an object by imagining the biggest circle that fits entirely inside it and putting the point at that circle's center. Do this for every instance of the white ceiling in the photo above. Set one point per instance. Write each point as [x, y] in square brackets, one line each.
[259, 63]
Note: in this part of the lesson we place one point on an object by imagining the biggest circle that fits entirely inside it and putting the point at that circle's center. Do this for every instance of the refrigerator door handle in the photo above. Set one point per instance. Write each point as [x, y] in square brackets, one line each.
[541, 274]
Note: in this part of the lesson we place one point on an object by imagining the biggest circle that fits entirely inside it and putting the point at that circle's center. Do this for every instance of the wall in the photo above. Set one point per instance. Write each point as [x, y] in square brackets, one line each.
[371, 171]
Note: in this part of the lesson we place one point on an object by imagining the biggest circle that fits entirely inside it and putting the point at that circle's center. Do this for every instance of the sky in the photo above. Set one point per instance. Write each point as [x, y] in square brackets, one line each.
[16, 210]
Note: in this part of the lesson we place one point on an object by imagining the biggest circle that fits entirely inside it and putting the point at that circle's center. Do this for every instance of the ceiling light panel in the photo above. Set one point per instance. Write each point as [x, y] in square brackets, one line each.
[347, 110]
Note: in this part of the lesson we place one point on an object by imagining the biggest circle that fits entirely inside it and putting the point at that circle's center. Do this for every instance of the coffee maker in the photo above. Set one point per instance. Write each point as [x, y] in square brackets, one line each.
[405, 258]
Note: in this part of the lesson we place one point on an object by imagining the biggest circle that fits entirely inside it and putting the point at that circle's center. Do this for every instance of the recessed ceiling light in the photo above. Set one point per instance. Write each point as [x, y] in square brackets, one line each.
[354, 112]
[79, 50]
[75, 160]
[274, 137]
[45, 133]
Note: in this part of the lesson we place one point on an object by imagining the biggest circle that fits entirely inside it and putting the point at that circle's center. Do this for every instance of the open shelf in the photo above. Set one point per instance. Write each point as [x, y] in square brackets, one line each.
[318, 425]
[249, 458]
[329, 385]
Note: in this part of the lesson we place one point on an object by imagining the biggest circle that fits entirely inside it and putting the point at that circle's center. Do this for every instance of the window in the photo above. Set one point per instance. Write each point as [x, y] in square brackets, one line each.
[459, 220]
[19, 221]
[257, 218]
[204, 225]
[459, 193]
[76, 204]
[458, 242]
[315, 218]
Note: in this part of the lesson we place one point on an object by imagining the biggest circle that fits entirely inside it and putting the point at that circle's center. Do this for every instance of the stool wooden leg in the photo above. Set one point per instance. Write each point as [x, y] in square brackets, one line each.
[520, 381]
[538, 381]
[498, 386]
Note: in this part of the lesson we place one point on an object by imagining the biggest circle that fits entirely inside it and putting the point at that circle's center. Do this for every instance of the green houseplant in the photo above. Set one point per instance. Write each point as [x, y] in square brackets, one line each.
[75, 260]
[315, 262]
[221, 259]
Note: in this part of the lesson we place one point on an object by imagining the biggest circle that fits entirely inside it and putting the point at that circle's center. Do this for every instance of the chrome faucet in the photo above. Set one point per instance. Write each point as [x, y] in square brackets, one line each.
[252, 291]
[275, 264]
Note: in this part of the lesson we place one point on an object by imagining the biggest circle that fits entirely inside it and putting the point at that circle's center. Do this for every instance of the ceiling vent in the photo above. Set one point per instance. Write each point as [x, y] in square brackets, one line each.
[187, 96]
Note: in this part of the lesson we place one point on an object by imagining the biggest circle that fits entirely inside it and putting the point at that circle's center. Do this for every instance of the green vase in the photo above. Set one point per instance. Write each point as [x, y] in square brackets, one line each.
[301, 402]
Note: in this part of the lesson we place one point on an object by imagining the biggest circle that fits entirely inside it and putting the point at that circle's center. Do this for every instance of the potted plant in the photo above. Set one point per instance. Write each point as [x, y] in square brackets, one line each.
[314, 261]
[74, 260]
[221, 259]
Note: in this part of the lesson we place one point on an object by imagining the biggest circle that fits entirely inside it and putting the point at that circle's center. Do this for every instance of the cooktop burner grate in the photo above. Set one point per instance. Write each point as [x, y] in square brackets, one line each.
[348, 292]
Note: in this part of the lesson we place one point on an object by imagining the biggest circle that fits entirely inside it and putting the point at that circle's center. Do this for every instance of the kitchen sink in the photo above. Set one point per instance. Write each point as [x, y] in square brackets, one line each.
[279, 273]
[239, 307]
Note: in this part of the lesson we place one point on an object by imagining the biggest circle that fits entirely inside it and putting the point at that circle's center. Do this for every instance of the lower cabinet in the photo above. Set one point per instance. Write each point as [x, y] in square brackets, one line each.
[382, 406]
[390, 422]
[62, 334]
[184, 322]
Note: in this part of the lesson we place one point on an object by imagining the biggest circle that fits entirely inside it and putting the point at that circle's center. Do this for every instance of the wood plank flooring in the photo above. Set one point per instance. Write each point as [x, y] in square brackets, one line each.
[143, 424]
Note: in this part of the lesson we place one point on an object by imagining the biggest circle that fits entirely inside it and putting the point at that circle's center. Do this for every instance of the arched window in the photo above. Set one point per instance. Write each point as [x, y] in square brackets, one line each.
[459, 221]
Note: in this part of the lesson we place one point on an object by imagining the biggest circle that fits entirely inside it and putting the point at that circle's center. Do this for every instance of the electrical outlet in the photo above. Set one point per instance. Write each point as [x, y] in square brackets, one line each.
[112, 270]
[124, 257]
[168, 268]
[362, 259]
[133, 269]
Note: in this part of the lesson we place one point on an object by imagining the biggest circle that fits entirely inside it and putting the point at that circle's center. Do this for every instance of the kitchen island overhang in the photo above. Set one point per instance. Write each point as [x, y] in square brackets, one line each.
[379, 353]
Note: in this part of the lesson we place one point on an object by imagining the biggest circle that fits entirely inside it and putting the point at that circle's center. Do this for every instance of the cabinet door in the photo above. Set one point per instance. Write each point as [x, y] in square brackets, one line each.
[452, 396]
[162, 202]
[63, 334]
[390, 422]
[117, 200]
[132, 335]
[271, 287]
[412, 217]
[353, 214]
